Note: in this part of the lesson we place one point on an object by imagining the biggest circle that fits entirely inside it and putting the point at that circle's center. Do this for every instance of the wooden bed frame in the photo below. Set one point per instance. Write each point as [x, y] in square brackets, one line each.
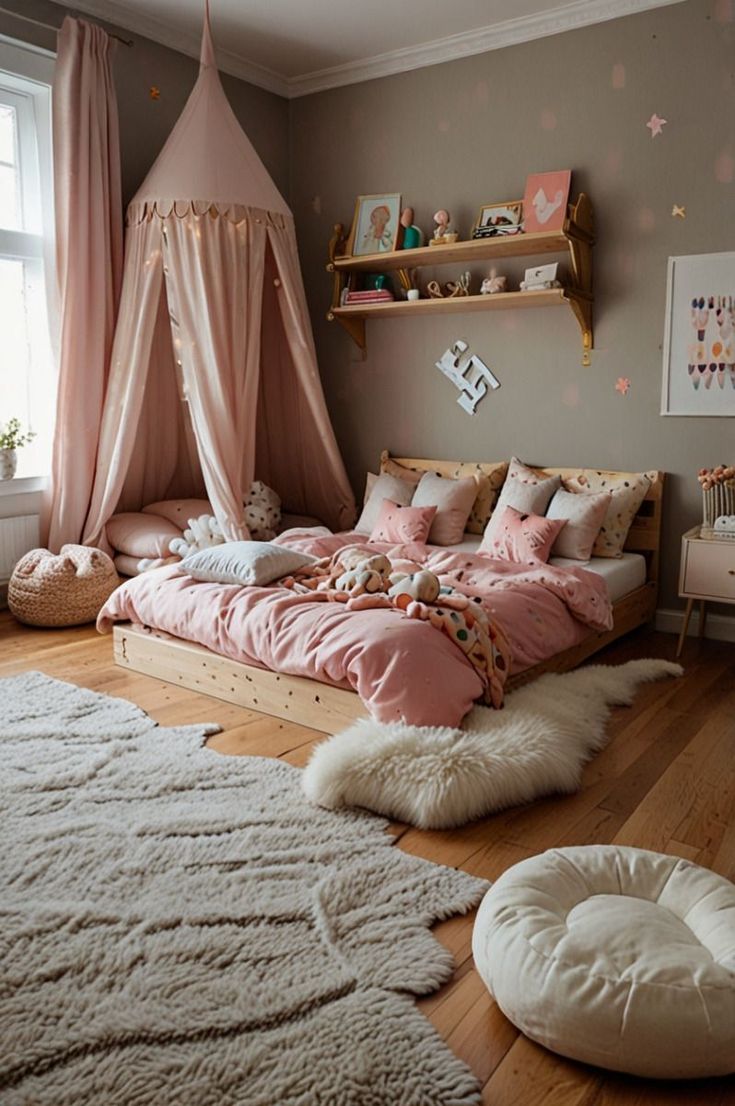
[330, 709]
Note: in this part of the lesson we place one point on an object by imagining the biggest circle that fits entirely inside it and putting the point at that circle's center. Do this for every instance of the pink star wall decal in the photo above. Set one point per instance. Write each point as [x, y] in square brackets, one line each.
[655, 125]
[622, 385]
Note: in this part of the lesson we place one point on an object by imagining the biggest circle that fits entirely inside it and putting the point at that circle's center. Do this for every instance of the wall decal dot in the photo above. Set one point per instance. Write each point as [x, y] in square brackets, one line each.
[646, 219]
[154, 92]
[724, 11]
[656, 125]
[482, 92]
[618, 75]
[622, 385]
[548, 120]
[614, 160]
[443, 125]
[679, 212]
[725, 167]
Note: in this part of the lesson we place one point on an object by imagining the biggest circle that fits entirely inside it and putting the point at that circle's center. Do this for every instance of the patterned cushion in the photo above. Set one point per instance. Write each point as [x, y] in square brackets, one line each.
[522, 538]
[402, 524]
[489, 478]
[584, 515]
[526, 490]
[628, 492]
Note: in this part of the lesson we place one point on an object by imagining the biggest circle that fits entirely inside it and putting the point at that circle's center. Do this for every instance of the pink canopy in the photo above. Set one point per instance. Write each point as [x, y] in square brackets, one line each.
[213, 377]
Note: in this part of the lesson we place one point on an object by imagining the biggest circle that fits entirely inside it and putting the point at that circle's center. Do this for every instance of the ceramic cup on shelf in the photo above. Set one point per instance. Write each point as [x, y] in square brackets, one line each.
[413, 294]
[8, 463]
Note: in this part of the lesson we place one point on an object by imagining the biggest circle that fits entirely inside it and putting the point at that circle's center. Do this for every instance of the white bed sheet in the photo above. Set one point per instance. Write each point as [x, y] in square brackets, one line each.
[621, 574]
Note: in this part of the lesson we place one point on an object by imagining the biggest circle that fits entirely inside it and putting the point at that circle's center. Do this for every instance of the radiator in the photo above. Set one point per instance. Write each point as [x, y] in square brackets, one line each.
[17, 536]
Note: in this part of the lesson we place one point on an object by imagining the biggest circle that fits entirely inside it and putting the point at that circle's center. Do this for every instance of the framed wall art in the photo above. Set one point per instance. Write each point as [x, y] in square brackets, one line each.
[545, 200]
[376, 225]
[699, 336]
[496, 219]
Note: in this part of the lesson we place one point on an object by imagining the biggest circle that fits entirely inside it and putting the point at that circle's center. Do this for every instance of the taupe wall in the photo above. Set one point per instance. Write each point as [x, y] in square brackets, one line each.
[145, 123]
[467, 132]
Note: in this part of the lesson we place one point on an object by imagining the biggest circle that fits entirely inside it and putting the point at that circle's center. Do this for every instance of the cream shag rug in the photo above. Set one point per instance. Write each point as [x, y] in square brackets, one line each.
[437, 778]
[180, 927]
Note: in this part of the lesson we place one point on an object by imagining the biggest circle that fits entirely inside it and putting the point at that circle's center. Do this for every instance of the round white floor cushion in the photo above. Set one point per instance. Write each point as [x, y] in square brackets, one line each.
[616, 957]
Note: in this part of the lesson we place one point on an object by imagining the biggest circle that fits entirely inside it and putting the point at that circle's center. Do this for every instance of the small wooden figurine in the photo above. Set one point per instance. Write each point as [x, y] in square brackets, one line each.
[413, 236]
[442, 234]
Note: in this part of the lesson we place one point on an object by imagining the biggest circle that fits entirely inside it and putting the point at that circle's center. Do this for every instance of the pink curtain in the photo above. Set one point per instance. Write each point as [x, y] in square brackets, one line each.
[89, 248]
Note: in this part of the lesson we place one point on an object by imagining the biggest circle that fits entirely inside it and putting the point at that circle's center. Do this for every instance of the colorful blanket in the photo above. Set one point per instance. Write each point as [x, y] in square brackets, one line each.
[370, 583]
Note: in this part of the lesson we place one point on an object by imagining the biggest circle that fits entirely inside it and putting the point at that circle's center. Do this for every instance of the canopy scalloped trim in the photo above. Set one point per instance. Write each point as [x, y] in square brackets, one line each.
[142, 211]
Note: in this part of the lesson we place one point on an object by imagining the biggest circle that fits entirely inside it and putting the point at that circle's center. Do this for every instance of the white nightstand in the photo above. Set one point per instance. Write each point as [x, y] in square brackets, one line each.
[707, 573]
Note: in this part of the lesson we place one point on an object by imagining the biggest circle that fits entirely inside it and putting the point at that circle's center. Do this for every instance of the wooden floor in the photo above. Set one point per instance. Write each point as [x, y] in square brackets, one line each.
[666, 781]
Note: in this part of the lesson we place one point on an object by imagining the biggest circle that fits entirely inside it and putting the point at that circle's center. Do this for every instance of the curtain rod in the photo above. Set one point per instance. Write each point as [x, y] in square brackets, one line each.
[53, 27]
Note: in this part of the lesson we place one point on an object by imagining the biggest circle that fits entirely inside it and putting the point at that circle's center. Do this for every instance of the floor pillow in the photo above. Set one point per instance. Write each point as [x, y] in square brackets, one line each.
[617, 957]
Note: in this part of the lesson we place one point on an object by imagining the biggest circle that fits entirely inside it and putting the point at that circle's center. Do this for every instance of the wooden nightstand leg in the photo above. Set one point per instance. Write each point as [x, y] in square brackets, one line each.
[702, 616]
[685, 627]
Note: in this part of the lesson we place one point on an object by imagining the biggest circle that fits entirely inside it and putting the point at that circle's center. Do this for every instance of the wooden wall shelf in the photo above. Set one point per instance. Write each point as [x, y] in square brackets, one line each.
[576, 239]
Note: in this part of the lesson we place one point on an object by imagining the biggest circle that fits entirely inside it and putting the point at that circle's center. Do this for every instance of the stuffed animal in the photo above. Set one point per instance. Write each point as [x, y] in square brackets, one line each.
[359, 574]
[201, 533]
[421, 585]
[262, 511]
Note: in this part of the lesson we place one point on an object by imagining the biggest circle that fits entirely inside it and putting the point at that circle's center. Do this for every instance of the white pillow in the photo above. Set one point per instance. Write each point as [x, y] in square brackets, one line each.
[585, 513]
[385, 487]
[249, 563]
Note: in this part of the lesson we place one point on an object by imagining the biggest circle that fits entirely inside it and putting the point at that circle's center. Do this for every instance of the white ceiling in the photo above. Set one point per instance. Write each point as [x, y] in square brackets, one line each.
[294, 47]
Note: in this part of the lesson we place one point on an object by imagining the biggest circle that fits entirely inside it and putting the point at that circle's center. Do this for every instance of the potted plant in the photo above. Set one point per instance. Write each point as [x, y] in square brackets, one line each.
[12, 438]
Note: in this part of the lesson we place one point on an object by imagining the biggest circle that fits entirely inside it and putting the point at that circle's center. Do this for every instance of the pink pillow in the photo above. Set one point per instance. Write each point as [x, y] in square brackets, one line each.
[139, 535]
[402, 524]
[523, 538]
[179, 511]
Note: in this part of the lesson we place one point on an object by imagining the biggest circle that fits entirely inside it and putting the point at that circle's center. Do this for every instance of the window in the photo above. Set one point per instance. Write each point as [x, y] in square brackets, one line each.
[27, 366]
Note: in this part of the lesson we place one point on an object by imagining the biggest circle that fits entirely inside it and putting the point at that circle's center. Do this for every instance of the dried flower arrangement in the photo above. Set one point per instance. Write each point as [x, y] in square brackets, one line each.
[718, 493]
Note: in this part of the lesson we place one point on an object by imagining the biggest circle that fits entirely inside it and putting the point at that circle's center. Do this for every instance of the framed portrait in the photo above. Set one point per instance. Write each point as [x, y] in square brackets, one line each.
[495, 219]
[699, 336]
[376, 225]
[545, 200]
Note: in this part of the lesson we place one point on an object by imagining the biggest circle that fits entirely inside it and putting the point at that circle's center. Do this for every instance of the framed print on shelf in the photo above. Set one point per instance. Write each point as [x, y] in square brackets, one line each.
[699, 336]
[376, 225]
[497, 219]
[545, 200]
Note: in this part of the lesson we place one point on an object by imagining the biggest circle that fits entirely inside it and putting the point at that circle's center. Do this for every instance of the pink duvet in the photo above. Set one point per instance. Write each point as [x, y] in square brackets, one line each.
[403, 669]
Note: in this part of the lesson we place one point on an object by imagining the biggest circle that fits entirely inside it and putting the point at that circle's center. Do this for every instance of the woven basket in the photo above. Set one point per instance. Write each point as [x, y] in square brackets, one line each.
[65, 589]
[717, 501]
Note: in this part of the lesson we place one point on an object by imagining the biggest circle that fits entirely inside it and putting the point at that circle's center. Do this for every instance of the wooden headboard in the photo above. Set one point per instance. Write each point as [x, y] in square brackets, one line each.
[645, 533]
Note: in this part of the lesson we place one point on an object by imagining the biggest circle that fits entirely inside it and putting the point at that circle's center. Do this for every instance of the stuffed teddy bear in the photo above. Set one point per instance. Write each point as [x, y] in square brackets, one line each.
[360, 574]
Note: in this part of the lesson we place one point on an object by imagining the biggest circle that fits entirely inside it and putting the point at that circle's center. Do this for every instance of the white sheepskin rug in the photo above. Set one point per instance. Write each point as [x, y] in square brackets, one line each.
[436, 777]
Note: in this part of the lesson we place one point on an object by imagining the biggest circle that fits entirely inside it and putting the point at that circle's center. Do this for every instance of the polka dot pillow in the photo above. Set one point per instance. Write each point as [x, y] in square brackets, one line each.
[628, 490]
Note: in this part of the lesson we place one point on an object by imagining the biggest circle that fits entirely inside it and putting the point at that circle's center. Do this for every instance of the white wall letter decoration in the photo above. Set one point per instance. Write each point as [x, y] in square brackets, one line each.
[468, 373]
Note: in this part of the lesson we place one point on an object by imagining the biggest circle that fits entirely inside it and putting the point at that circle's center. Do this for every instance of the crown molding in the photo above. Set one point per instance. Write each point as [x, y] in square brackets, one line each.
[510, 32]
[148, 26]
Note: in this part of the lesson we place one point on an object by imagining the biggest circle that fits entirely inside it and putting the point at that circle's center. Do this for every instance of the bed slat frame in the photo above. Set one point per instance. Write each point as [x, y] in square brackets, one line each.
[330, 709]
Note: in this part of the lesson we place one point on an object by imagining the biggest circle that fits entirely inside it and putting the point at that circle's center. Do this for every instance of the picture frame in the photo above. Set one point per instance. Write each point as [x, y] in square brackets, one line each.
[498, 219]
[545, 201]
[699, 336]
[376, 225]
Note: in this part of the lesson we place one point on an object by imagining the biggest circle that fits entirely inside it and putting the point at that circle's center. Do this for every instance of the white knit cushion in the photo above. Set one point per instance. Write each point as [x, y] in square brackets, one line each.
[616, 957]
[250, 563]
